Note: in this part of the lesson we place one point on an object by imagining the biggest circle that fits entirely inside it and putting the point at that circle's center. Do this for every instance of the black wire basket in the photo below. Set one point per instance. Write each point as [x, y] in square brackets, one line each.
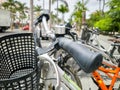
[18, 63]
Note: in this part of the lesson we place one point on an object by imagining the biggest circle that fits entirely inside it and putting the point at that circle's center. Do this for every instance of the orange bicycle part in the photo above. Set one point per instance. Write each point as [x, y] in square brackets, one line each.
[112, 72]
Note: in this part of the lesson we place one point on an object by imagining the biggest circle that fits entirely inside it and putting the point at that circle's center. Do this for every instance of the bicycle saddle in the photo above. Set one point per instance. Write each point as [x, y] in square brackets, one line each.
[86, 59]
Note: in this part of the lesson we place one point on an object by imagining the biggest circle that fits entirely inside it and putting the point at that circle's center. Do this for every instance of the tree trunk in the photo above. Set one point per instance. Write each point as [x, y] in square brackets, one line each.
[83, 17]
[31, 16]
[43, 4]
[63, 17]
[57, 7]
[50, 13]
[103, 7]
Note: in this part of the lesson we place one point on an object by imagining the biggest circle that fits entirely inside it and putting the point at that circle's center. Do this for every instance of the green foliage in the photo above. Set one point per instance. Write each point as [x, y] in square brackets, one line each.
[15, 6]
[79, 8]
[10, 5]
[111, 19]
[77, 15]
[104, 24]
[54, 18]
[114, 13]
[21, 9]
[63, 9]
[94, 17]
[37, 8]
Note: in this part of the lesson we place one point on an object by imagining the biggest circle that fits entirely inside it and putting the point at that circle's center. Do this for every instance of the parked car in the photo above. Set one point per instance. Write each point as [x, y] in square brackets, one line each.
[26, 27]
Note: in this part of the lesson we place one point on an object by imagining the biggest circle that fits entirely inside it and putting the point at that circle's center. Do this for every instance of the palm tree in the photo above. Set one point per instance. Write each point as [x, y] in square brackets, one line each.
[79, 14]
[63, 9]
[53, 1]
[84, 11]
[54, 19]
[37, 9]
[21, 9]
[99, 5]
[103, 7]
[43, 4]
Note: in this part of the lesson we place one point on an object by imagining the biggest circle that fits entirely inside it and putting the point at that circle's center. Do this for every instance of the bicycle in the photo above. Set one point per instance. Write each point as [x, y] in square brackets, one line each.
[71, 49]
[95, 74]
[111, 70]
[105, 68]
[91, 38]
[20, 69]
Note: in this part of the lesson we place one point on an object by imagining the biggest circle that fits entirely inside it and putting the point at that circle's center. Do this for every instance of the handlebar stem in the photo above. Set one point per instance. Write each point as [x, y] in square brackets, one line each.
[48, 32]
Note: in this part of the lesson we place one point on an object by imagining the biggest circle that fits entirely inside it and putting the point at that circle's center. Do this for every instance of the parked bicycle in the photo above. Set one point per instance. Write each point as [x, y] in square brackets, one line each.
[26, 65]
[90, 37]
[110, 71]
[106, 68]
[78, 52]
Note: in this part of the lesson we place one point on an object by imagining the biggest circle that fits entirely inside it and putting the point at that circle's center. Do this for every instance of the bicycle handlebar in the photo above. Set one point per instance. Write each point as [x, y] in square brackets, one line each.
[39, 19]
[86, 59]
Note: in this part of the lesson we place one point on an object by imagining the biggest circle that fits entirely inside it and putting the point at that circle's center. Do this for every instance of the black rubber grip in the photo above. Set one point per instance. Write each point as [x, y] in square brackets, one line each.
[86, 59]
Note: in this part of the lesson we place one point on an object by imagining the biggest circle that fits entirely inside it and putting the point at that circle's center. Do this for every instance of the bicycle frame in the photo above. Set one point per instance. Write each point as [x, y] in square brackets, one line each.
[61, 75]
[63, 81]
[95, 42]
[108, 71]
[112, 72]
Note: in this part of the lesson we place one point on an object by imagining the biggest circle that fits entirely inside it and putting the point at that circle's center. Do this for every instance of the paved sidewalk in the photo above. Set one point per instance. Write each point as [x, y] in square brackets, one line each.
[104, 40]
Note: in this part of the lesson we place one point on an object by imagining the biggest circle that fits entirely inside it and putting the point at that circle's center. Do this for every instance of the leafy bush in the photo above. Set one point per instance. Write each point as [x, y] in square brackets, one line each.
[104, 24]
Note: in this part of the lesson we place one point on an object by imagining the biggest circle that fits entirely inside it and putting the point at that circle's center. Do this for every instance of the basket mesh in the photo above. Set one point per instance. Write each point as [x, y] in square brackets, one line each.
[18, 65]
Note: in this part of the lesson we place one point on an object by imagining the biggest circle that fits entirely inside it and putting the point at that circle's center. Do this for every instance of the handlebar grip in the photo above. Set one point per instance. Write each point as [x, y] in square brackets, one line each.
[86, 59]
[39, 19]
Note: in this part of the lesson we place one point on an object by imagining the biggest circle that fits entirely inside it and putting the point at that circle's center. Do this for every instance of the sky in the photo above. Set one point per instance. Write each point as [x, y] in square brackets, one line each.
[92, 6]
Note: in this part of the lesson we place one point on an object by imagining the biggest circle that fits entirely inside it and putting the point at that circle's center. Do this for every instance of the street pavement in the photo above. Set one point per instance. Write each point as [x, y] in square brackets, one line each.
[84, 77]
